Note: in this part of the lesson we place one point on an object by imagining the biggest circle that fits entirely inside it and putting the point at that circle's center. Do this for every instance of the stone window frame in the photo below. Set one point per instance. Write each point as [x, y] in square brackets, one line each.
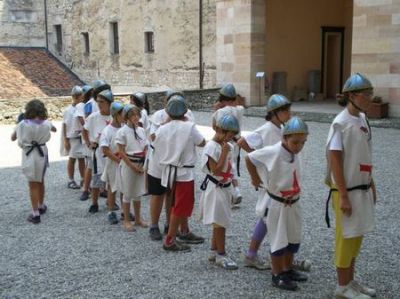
[58, 45]
[85, 42]
[149, 42]
[114, 38]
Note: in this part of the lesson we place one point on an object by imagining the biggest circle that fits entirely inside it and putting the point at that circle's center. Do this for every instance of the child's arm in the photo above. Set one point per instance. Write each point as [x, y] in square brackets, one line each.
[336, 159]
[133, 166]
[81, 120]
[85, 136]
[373, 190]
[255, 178]
[14, 136]
[217, 167]
[109, 154]
[67, 144]
[243, 145]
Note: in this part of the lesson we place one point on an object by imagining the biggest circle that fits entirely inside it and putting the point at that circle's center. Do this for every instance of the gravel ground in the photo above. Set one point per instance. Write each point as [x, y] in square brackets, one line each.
[76, 255]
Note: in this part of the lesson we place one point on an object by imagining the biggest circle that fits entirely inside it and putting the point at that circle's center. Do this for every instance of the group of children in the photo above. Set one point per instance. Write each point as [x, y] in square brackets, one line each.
[121, 150]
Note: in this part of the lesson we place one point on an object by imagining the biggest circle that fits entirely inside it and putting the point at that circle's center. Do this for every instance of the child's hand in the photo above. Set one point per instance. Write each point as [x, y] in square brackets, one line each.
[93, 145]
[67, 144]
[225, 147]
[345, 205]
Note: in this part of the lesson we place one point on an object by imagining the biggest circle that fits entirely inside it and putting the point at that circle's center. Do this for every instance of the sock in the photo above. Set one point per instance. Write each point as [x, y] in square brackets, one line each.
[260, 230]
[35, 213]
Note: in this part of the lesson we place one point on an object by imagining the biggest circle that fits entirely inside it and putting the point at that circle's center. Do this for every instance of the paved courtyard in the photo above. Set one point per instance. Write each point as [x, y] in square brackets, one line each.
[72, 254]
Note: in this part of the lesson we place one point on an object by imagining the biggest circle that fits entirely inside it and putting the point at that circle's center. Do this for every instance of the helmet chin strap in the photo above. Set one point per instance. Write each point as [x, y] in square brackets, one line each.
[356, 106]
[277, 117]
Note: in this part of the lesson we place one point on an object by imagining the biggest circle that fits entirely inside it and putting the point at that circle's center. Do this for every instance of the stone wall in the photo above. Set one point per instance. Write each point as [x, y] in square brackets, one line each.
[175, 24]
[196, 100]
[22, 23]
[376, 47]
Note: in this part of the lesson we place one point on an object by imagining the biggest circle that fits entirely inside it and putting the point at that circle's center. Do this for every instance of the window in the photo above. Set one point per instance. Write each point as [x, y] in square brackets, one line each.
[86, 46]
[114, 38]
[58, 45]
[149, 42]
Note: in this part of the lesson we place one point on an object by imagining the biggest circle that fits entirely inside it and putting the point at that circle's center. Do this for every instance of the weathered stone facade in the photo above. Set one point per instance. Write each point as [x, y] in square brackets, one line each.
[175, 25]
[22, 23]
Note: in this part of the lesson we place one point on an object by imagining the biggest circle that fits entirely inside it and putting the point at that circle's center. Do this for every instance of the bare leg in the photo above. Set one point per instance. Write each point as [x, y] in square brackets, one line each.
[34, 191]
[81, 165]
[156, 203]
[138, 218]
[87, 179]
[71, 168]
[110, 199]
[126, 206]
[219, 236]
[278, 264]
[168, 206]
[344, 276]
[41, 192]
[95, 195]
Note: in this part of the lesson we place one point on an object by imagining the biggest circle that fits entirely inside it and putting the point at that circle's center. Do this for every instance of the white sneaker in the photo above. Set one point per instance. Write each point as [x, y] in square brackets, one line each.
[349, 293]
[225, 262]
[363, 289]
[236, 196]
[302, 265]
[256, 263]
[212, 256]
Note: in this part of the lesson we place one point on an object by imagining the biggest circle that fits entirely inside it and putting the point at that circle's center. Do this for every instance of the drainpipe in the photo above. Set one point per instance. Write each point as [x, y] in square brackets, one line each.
[45, 25]
[201, 70]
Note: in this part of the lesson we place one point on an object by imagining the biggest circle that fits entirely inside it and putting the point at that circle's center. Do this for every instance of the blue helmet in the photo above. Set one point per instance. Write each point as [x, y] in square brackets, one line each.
[86, 89]
[357, 82]
[228, 122]
[76, 91]
[127, 108]
[100, 85]
[115, 108]
[295, 125]
[277, 101]
[107, 95]
[228, 91]
[170, 92]
[176, 106]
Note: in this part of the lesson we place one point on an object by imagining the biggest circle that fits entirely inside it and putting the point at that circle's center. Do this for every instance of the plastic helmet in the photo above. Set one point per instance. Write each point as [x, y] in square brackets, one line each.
[176, 106]
[228, 91]
[140, 96]
[357, 82]
[127, 108]
[76, 91]
[277, 101]
[107, 95]
[86, 89]
[170, 92]
[116, 107]
[228, 122]
[295, 125]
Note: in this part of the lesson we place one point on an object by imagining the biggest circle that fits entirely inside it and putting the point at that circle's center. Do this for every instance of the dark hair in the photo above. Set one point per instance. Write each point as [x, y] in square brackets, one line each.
[20, 117]
[181, 117]
[147, 105]
[342, 99]
[87, 96]
[35, 109]
[96, 91]
[270, 114]
[140, 104]
[222, 98]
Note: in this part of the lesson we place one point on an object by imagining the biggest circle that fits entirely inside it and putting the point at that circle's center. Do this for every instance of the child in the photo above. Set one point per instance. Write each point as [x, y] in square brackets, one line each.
[132, 146]
[278, 112]
[281, 179]
[110, 151]
[139, 99]
[94, 125]
[72, 139]
[349, 176]
[33, 132]
[175, 146]
[215, 201]
[91, 105]
[157, 191]
[229, 102]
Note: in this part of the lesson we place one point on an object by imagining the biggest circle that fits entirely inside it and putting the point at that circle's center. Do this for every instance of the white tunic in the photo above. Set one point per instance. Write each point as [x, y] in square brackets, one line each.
[175, 146]
[107, 139]
[77, 149]
[215, 202]
[357, 169]
[95, 125]
[130, 183]
[283, 180]
[29, 132]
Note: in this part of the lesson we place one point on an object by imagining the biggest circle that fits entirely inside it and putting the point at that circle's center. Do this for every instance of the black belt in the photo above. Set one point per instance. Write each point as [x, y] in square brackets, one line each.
[358, 187]
[36, 145]
[136, 159]
[282, 199]
[215, 181]
[238, 163]
[95, 159]
[79, 137]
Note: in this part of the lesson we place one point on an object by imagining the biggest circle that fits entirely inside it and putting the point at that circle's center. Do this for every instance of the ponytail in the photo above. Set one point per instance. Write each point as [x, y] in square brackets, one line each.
[342, 99]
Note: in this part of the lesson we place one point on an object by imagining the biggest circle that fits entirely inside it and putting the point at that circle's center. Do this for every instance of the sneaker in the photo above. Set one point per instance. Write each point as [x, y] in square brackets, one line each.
[33, 219]
[302, 265]
[103, 194]
[283, 282]
[363, 289]
[256, 263]
[84, 196]
[73, 185]
[155, 234]
[212, 256]
[225, 262]
[112, 218]
[236, 199]
[115, 207]
[296, 275]
[42, 210]
[190, 238]
[94, 209]
[131, 217]
[348, 292]
[176, 246]
[166, 228]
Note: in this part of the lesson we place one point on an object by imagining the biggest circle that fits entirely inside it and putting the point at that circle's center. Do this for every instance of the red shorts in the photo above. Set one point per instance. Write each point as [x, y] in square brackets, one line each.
[184, 199]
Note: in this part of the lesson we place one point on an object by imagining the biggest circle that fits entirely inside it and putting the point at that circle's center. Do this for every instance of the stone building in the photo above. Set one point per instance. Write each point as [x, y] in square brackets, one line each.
[300, 46]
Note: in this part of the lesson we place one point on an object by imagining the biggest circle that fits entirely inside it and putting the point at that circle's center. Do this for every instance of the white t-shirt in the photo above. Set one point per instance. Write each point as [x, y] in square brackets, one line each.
[267, 134]
[213, 150]
[79, 112]
[107, 138]
[69, 121]
[126, 136]
[160, 117]
[95, 124]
